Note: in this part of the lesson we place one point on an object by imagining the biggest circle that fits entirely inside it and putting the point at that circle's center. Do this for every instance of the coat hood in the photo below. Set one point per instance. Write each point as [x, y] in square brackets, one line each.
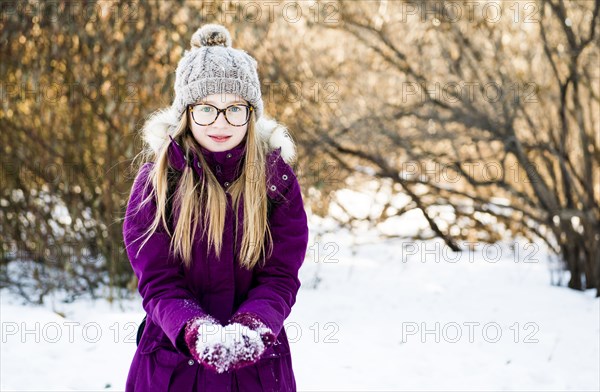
[273, 135]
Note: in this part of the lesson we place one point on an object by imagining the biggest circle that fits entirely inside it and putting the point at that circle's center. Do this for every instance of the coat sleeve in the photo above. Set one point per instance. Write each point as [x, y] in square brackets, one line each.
[276, 283]
[165, 296]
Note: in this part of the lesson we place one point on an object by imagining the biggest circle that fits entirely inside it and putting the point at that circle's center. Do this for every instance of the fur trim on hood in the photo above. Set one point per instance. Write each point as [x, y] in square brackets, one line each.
[163, 122]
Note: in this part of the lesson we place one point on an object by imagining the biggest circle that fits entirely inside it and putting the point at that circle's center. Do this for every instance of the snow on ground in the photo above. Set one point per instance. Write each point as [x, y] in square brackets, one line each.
[391, 319]
[371, 315]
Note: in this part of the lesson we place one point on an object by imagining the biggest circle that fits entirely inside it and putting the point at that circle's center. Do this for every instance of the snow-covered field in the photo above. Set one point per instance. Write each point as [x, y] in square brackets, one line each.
[372, 315]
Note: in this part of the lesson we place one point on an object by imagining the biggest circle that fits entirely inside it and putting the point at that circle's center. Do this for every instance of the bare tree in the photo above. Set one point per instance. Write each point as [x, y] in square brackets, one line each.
[506, 109]
[78, 80]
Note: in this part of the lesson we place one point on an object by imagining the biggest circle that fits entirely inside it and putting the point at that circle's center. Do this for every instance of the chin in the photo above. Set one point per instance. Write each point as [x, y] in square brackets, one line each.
[212, 145]
[223, 146]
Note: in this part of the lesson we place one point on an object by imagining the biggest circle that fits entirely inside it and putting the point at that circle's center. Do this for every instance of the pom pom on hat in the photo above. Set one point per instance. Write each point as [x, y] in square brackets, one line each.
[211, 35]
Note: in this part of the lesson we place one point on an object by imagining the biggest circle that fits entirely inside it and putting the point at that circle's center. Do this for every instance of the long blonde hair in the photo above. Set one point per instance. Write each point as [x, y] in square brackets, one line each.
[206, 200]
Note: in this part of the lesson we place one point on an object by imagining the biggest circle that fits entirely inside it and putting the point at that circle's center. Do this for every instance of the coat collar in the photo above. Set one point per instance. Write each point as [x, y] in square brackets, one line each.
[226, 159]
[223, 164]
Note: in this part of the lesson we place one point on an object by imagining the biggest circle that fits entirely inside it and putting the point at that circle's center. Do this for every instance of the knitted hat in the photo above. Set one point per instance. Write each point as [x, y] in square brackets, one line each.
[212, 66]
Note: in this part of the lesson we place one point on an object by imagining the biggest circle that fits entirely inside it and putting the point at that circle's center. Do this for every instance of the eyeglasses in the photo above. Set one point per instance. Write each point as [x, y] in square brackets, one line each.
[205, 114]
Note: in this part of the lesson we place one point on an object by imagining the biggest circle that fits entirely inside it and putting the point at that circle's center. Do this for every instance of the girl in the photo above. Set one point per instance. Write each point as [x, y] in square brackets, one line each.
[215, 230]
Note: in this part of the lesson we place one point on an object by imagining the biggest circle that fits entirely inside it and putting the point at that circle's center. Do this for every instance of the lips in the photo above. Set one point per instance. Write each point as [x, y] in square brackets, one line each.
[218, 138]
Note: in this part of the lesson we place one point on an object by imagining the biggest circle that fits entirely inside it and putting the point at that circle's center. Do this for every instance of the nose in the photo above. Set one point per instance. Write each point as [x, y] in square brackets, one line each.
[221, 122]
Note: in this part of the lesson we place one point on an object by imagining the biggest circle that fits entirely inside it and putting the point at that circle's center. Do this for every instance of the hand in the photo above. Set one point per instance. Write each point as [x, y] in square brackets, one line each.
[218, 348]
[240, 343]
[252, 321]
[253, 339]
[208, 352]
[216, 356]
[231, 347]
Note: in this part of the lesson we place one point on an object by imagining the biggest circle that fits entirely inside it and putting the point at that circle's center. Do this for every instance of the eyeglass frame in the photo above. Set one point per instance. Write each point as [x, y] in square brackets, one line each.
[190, 108]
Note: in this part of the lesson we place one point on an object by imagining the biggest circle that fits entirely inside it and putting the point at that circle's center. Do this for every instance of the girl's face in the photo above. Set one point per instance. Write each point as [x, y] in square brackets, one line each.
[208, 135]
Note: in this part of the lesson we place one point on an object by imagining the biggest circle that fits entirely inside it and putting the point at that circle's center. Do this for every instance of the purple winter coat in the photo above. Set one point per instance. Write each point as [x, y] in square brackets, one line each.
[172, 296]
